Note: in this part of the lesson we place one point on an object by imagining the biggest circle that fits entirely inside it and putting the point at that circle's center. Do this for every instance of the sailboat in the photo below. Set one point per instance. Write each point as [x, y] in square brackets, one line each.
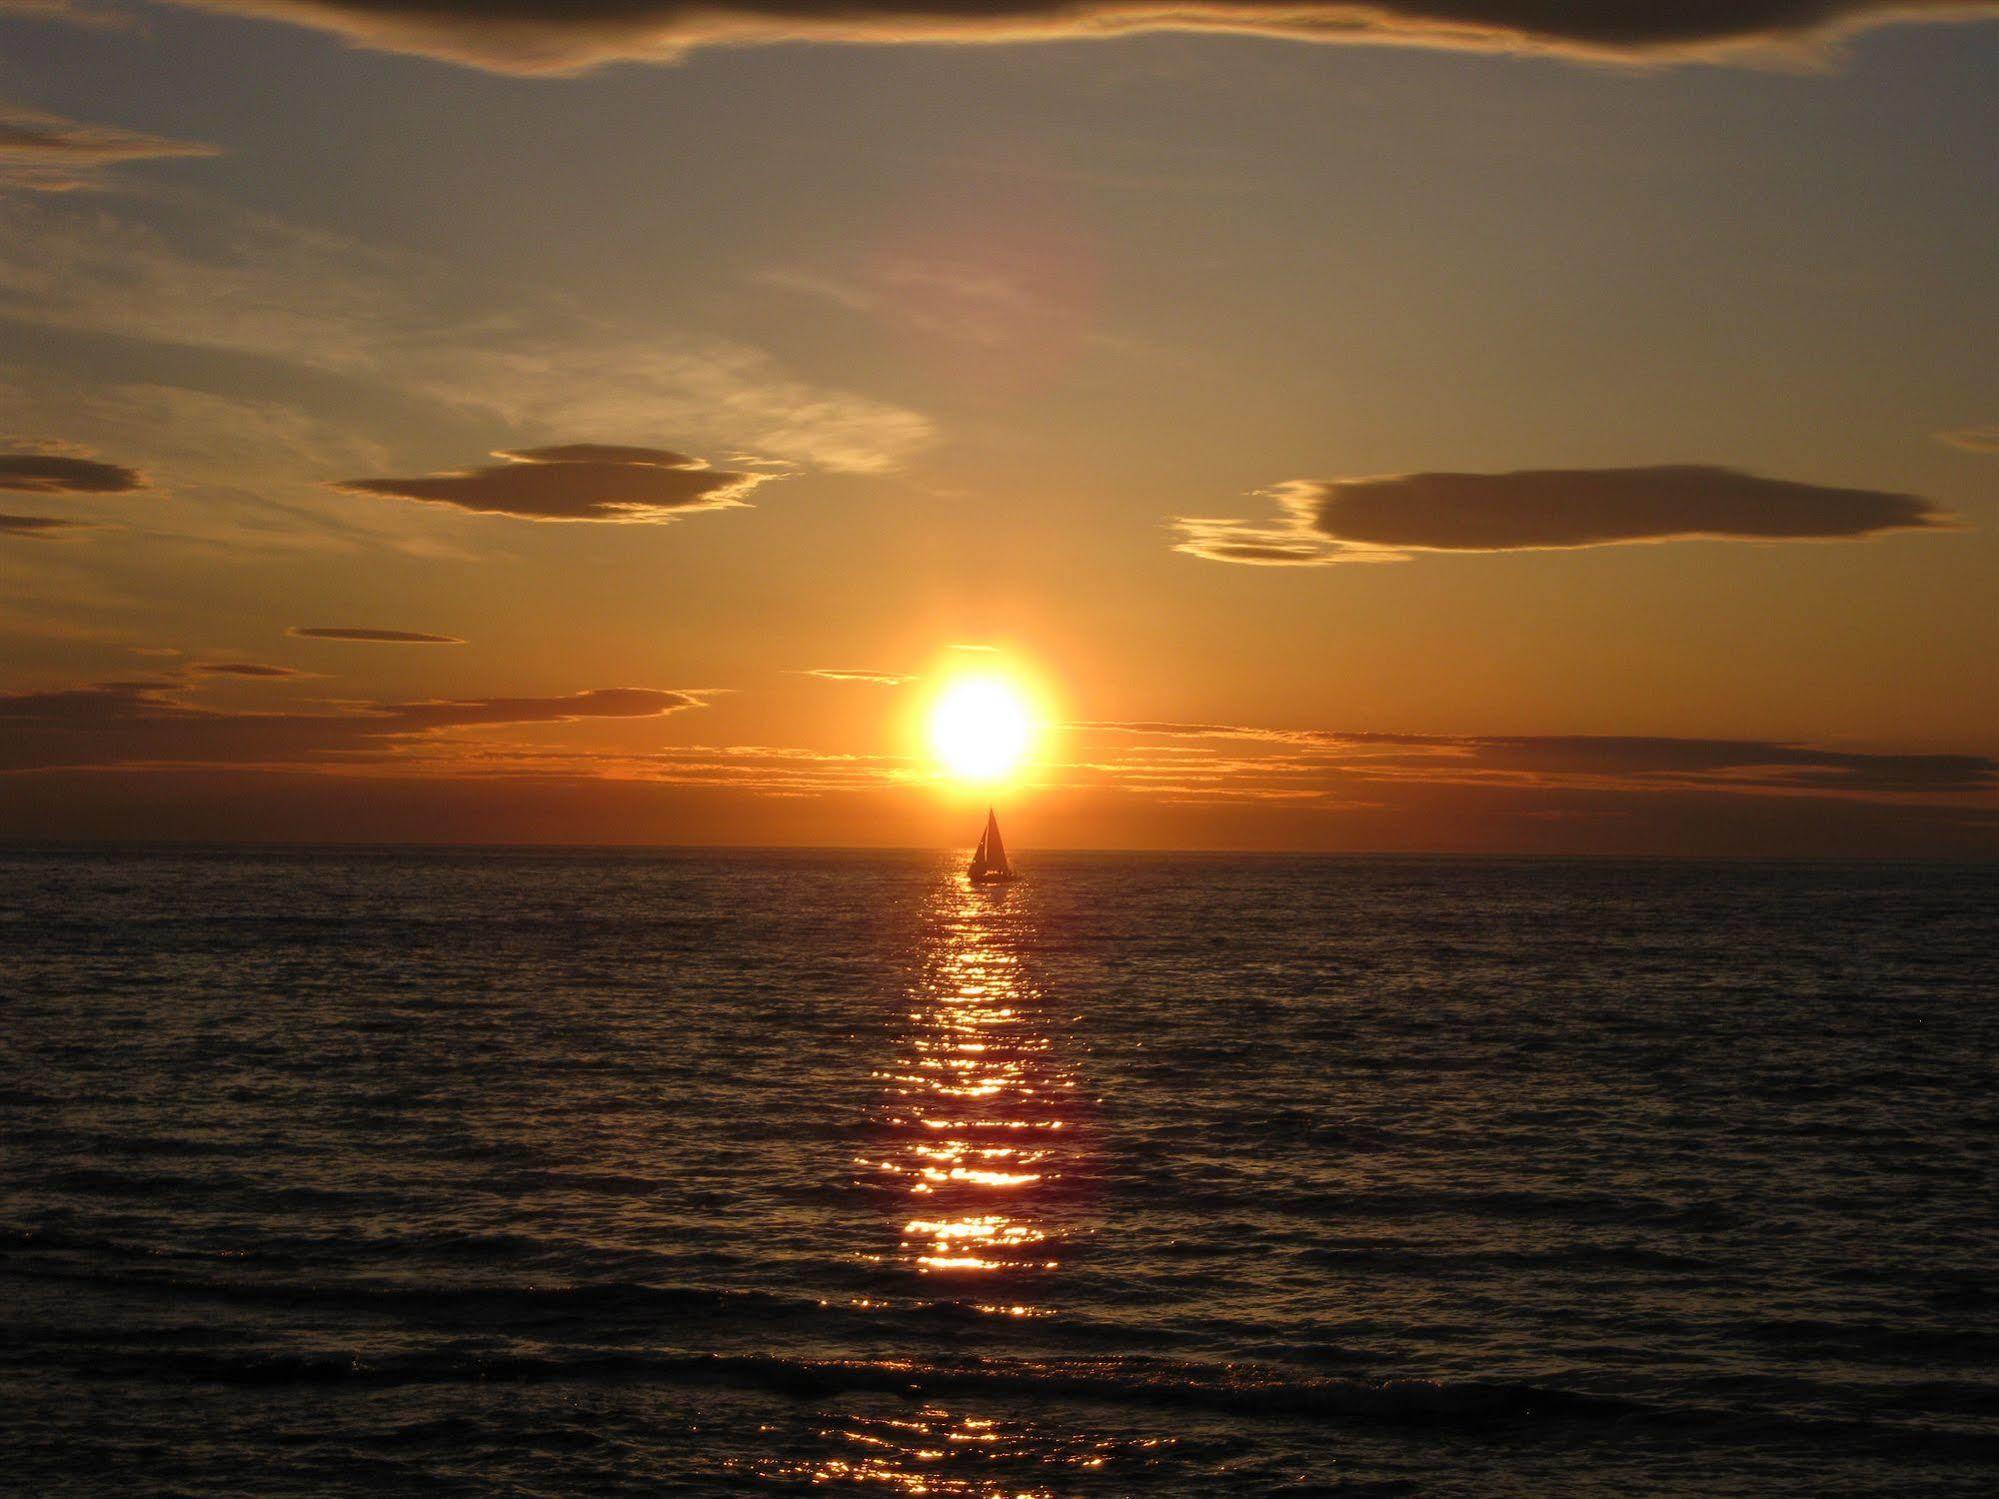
[989, 865]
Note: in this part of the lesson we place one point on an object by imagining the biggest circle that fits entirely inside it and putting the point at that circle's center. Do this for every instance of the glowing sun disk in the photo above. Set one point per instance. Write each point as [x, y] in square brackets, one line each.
[981, 728]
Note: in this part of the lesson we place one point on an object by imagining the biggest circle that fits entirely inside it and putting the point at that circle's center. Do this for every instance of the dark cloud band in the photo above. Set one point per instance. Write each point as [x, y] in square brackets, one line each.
[40, 527]
[1390, 517]
[65, 473]
[256, 669]
[145, 723]
[568, 36]
[1628, 762]
[577, 482]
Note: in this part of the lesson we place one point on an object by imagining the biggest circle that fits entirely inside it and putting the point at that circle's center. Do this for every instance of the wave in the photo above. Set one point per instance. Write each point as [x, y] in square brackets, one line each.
[1220, 1389]
[1951, 1422]
[1422, 1261]
[1595, 1208]
[1231, 1391]
[497, 1302]
[556, 1308]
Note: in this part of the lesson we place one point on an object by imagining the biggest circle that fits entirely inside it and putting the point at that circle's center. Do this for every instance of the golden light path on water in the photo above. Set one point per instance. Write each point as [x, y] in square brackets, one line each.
[914, 1455]
[977, 1101]
[978, 1132]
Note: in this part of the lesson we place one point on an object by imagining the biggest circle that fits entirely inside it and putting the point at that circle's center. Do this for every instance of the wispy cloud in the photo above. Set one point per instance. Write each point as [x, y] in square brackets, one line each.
[1983, 439]
[87, 14]
[846, 674]
[48, 153]
[249, 285]
[976, 293]
[236, 475]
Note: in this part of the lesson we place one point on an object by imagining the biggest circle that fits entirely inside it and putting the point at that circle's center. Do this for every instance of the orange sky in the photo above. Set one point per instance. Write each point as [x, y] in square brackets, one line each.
[1536, 433]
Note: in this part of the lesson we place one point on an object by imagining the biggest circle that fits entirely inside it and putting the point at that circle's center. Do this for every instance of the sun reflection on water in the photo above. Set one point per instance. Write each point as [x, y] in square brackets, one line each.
[978, 1154]
[979, 1104]
[934, 1451]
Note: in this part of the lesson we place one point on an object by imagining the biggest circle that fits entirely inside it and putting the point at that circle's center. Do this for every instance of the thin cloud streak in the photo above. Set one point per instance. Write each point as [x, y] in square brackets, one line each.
[873, 678]
[250, 669]
[50, 153]
[1983, 439]
[355, 634]
[41, 527]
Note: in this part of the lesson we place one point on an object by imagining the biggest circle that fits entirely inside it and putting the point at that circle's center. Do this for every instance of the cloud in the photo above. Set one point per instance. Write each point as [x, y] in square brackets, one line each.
[36, 469]
[1973, 439]
[248, 285]
[150, 725]
[43, 152]
[569, 36]
[244, 669]
[1255, 545]
[80, 13]
[974, 283]
[1320, 757]
[239, 474]
[600, 702]
[1387, 518]
[361, 634]
[843, 674]
[143, 723]
[41, 527]
[177, 434]
[577, 482]
[116, 756]
[1172, 729]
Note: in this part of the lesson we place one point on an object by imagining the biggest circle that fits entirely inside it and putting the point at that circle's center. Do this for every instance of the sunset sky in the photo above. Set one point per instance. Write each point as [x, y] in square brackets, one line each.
[1486, 425]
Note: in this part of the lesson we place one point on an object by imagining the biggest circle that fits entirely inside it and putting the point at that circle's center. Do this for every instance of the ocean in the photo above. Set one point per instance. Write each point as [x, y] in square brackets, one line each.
[551, 1172]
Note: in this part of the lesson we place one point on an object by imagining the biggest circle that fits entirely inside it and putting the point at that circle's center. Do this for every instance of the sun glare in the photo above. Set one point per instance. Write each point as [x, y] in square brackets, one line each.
[981, 728]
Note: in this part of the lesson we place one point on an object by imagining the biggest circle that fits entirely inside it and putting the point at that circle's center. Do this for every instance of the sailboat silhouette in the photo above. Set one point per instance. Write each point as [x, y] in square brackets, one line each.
[989, 863]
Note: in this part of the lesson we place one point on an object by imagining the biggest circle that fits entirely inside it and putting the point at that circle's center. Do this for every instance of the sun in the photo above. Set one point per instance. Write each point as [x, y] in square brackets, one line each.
[981, 728]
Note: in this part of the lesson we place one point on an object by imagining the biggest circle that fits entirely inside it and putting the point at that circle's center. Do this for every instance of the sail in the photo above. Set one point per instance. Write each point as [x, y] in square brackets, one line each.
[989, 862]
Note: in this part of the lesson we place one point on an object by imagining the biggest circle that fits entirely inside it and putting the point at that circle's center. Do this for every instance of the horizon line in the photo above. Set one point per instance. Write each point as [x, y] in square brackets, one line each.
[10, 841]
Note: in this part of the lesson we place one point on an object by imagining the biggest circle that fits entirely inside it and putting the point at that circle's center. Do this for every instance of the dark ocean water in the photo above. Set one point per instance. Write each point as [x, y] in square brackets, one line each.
[659, 1173]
